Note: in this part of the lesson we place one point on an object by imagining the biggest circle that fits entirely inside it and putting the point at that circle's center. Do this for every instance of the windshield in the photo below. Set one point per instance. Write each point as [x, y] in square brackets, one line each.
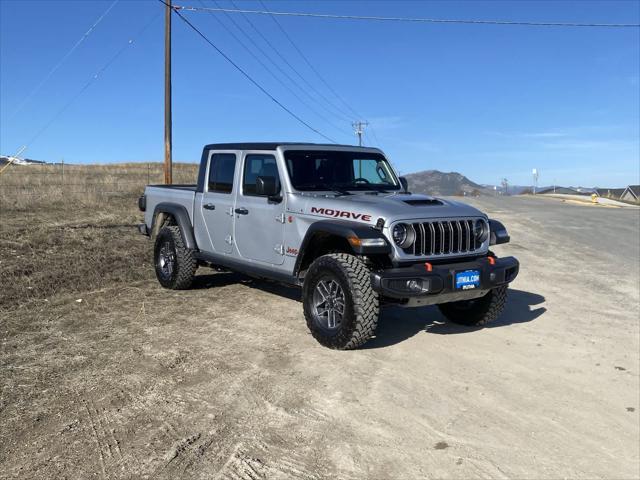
[339, 170]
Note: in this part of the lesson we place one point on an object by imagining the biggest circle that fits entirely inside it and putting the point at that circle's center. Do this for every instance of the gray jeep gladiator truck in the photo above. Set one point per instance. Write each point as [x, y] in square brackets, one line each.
[337, 221]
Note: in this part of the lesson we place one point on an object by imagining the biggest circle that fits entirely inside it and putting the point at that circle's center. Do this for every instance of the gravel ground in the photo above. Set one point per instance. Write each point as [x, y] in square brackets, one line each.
[224, 380]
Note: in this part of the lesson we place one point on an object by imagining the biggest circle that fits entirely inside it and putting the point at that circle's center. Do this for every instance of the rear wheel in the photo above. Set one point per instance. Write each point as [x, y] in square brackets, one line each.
[174, 263]
[340, 307]
[479, 311]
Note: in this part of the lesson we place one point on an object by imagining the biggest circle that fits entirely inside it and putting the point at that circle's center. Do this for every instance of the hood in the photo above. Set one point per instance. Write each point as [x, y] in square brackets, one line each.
[390, 207]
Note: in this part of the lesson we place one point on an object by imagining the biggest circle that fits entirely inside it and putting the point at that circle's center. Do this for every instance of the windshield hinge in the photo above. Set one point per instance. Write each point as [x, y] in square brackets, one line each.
[280, 218]
[279, 248]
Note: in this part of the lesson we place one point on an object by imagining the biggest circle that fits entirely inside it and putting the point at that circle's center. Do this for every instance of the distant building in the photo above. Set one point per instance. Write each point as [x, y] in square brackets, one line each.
[563, 190]
[631, 193]
[614, 193]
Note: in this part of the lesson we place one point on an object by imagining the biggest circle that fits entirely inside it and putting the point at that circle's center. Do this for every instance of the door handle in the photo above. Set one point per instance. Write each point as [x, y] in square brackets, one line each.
[209, 206]
[242, 211]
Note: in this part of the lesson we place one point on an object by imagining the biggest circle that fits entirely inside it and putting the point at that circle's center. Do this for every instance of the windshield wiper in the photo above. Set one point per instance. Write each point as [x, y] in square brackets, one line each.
[323, 186]
[377, 191]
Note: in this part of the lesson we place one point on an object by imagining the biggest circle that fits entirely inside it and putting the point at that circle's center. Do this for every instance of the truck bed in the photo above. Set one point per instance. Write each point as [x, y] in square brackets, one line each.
[183, 195]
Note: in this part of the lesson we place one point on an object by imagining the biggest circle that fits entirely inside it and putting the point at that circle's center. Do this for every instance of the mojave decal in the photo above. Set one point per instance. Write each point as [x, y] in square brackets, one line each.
[330, 212]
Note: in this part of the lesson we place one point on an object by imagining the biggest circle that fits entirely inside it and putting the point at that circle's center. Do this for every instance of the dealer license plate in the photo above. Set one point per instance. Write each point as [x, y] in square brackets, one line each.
[467, 280]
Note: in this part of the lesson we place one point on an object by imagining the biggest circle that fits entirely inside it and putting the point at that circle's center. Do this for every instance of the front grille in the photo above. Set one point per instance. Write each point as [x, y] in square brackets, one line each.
[443, 237]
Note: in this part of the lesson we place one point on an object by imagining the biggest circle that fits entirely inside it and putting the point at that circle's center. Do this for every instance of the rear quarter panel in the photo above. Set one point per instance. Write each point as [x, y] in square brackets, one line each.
[176, 195]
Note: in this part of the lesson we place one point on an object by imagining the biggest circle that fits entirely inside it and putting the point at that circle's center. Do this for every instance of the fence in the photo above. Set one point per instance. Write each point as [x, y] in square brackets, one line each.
[24, 184]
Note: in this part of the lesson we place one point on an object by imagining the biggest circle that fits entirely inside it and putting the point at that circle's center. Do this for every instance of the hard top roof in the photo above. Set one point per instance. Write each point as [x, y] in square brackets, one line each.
[275, 145]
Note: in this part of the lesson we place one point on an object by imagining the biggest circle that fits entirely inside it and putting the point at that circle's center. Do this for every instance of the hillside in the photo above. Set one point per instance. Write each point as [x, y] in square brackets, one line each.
[434, 182]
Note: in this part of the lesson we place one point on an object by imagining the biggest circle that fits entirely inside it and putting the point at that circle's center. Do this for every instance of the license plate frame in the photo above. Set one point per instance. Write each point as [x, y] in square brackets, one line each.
[467, 280]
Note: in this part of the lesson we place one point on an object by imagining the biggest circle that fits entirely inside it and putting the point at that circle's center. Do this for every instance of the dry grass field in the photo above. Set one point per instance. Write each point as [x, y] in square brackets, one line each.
[62, 227]
[104, 374]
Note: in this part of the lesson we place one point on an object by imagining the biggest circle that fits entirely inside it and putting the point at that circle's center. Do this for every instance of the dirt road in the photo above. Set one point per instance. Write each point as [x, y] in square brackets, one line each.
[224, 381]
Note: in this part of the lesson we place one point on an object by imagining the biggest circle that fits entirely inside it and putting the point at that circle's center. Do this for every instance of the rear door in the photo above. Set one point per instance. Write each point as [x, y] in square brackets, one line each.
[259, 222]
[218, 200]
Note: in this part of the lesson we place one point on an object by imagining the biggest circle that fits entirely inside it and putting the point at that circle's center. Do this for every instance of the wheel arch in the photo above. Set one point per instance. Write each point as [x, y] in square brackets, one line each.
[330, 236]
[179, 216]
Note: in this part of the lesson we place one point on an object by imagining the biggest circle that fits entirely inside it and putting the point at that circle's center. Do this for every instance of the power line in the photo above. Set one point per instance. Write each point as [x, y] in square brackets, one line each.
[95, 76]
[415, 19]
[248, 77]
[62, 60]
[295, 70]
[375, 136]
[313, 69]
[266, 66]
[320, 76]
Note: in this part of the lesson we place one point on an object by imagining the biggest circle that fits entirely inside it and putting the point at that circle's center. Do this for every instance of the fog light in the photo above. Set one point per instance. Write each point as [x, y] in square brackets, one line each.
[417, 285]
[414, 285]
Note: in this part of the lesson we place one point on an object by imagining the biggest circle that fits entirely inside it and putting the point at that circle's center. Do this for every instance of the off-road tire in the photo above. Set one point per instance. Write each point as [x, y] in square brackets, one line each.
[477, 312]
[362, 306]
[185, 265]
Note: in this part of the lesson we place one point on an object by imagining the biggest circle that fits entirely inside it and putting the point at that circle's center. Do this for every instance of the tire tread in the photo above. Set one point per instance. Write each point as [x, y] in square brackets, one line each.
[366, 305]
[186, 264]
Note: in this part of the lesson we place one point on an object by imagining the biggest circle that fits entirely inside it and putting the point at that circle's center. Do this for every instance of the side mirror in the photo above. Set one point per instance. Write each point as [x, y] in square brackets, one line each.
[266, 186]
[404, 183]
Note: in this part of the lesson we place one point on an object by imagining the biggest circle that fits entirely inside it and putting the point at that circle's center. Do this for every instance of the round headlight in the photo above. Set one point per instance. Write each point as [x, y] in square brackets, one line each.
[399, 233]
[403, 235]
[480, 231]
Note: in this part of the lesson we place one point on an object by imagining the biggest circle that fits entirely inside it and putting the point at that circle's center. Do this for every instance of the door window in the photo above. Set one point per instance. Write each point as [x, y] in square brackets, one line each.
[258, 165]
[222, 167]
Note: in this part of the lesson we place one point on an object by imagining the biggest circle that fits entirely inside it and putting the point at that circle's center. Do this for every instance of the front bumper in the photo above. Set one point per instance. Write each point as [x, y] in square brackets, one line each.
[438, 284]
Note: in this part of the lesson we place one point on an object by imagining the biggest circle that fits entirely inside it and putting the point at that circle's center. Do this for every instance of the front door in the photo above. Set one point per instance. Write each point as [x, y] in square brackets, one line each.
[218, 200]
[259, 221]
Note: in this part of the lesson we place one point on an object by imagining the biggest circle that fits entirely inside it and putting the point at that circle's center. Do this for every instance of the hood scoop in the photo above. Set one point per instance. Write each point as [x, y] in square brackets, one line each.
[425, 201]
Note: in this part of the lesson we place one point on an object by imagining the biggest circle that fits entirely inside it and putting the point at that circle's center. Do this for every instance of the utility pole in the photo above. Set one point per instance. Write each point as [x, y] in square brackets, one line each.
[359, 129]
[505, 186]
[168, 165]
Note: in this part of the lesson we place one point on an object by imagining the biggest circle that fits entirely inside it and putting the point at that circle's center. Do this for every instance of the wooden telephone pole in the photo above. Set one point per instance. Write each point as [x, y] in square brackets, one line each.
[168, 165]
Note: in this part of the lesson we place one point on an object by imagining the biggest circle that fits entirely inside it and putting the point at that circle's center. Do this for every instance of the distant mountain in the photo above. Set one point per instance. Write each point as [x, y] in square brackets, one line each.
[18, 161]
[434, 182]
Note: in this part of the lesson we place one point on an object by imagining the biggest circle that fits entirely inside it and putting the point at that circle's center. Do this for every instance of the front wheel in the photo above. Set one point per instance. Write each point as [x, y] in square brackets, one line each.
[340, 307]
[478, 311]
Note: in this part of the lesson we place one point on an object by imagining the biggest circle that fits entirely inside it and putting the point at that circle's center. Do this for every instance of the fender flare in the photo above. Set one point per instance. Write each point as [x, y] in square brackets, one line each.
[343, 229]
[180, 214]
[498, 233]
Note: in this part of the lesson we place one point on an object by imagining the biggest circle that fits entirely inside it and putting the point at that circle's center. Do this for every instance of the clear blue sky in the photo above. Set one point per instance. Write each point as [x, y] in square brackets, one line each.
[487, 101]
